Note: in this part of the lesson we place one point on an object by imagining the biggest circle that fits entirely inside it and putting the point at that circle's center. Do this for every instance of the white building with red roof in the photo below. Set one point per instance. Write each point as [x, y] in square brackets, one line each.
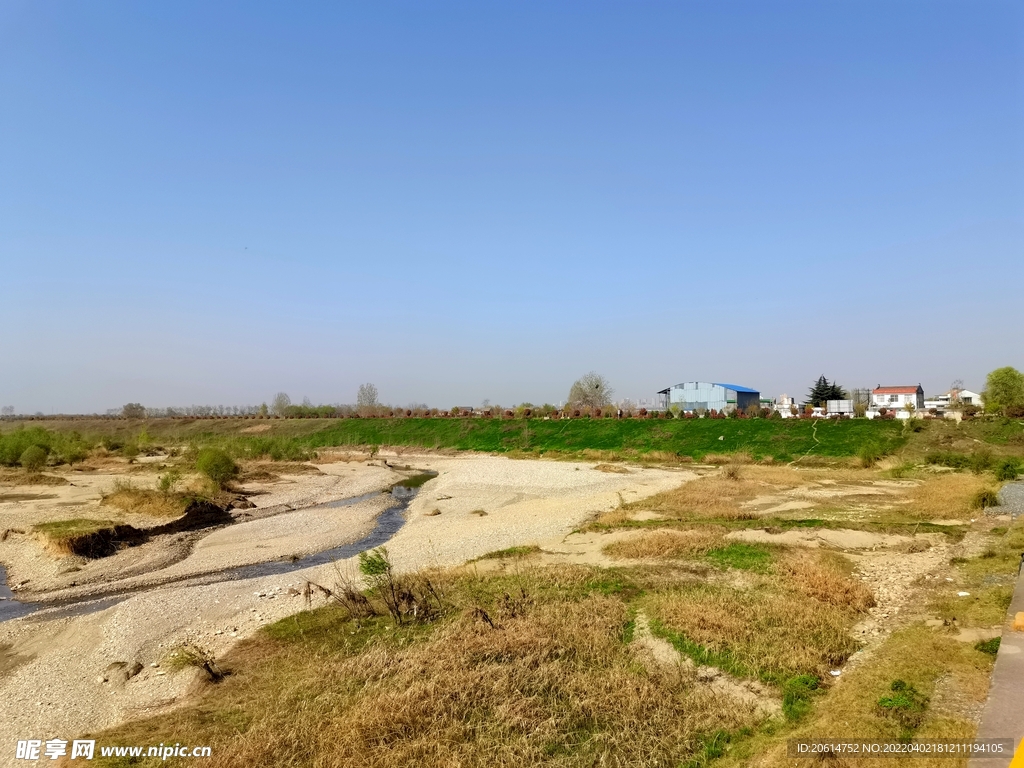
[896, 398]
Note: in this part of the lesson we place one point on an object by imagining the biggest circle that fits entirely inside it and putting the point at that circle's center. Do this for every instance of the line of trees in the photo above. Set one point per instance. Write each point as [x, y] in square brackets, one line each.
[589, 395]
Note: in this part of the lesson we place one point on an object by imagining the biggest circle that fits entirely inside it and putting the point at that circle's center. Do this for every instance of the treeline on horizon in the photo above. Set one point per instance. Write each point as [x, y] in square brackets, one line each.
[589, 397]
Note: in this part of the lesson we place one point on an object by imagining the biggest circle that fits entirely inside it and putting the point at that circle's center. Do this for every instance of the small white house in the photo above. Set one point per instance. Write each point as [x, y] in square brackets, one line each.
[959, 397]
[897, 398]
[783, 405]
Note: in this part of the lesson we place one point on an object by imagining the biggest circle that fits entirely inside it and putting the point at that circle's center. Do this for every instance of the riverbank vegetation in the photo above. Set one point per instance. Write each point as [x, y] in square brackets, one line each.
[988, 442]
[756, 603]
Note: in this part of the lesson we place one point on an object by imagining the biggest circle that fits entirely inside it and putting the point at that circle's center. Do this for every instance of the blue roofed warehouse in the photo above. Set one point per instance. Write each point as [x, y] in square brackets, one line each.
[706, 396]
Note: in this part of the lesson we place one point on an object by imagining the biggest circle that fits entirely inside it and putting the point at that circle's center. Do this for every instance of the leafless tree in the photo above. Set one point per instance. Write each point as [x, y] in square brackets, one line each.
[367, 396]
[590, 391]
[280, 403]
[954, 391]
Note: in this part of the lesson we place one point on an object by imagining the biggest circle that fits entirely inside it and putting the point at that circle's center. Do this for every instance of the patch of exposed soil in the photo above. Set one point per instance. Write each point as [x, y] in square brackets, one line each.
[823, 537]
[898, 581]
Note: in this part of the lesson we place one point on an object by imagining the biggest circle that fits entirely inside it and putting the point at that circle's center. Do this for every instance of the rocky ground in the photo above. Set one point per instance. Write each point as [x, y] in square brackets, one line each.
[1011, 499]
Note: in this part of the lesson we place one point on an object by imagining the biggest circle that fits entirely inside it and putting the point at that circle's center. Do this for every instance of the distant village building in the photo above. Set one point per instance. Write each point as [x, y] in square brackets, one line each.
[839, 408]
[960, 397]
[708, 396]
[896, 398]
[784, 405]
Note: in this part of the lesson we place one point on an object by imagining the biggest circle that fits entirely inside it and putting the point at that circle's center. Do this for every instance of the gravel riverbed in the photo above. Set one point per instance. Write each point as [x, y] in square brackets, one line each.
[56, 679]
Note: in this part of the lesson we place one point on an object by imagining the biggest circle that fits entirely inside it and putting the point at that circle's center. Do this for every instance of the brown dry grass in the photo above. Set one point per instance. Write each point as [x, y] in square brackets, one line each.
[15, 477]
[335, 455]
[796, 620]
[716, 495]
[145, 501]
[666, 544]
[825, 577]
[727, 458]
[764, 633]
[612, 468]
[286, 467]
[59, 537]
[648, 458]
[947, 495]
[917, 655]
[724, 495]
[555, 684]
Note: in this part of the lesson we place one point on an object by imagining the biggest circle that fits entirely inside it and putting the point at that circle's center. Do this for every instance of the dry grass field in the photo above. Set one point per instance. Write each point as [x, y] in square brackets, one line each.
[697, 647]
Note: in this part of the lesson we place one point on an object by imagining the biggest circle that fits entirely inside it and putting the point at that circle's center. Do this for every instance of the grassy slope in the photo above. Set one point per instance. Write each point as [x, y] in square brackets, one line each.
[782, 440]
[556, 680]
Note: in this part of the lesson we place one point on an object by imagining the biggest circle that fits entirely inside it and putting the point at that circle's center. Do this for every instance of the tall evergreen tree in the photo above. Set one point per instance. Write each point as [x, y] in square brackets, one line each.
[823, 391]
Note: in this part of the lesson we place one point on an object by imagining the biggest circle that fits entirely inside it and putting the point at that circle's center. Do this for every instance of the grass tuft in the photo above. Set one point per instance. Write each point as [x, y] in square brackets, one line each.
[744, 557]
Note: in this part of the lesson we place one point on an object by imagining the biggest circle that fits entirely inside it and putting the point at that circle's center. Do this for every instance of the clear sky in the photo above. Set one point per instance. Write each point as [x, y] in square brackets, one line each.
[212, 202]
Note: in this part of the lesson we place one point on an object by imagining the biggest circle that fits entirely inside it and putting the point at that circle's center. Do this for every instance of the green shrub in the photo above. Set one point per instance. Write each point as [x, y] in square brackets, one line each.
[375, 563]
[905, 705]
[796, 695]
[64, 447]
[981, 461]
[990, 647]
[1007, 469]
[33, 458]
[902, 470]
[868, 456]
[949, 459]
[984, 499]
[216, 465]
[167, 483]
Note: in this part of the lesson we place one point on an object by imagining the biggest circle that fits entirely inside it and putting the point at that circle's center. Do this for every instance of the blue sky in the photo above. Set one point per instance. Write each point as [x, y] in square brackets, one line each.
[213, 202]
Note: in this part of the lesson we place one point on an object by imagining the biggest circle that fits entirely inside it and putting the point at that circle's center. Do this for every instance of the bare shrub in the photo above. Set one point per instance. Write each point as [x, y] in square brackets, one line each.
[195, 656]
[405, 599]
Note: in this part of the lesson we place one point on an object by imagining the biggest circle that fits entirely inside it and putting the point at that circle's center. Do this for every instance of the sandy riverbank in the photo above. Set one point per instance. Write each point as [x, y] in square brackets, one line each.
[51, 671]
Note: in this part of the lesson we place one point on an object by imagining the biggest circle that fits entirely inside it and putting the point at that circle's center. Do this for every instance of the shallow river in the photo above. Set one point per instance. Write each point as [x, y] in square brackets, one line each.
[388, 523]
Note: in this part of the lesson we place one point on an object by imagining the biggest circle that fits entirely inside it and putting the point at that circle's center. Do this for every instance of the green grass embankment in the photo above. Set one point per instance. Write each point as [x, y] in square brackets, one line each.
[285, 439]
[694, 438]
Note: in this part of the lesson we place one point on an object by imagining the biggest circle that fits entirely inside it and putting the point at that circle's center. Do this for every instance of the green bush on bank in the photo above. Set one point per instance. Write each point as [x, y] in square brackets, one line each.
[217, 465]
[62, 447]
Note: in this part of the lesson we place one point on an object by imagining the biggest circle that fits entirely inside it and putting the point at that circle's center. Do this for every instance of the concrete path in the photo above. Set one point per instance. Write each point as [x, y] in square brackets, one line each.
[1003, 716]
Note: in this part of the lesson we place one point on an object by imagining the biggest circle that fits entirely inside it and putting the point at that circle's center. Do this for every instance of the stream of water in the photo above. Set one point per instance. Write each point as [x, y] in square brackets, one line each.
[387, 525]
